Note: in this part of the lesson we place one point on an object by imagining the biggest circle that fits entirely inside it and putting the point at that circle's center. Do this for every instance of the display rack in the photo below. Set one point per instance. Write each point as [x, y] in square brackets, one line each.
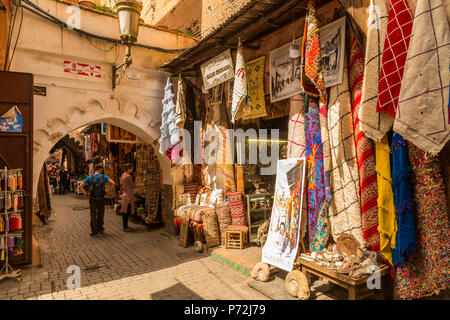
[7, 271]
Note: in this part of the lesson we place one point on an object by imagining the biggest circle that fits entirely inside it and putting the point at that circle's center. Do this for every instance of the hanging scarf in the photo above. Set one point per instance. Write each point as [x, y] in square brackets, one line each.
[365, 155]
[395, 49]
[239, 109]
[423, 114]
[428, 271]
[374, 124]
[345, 209]
[405, 243]
[257, 100]
[317, 227]
[387, 224]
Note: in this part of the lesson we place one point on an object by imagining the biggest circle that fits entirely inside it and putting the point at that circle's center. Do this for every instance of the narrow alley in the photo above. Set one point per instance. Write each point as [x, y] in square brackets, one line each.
[143, 264]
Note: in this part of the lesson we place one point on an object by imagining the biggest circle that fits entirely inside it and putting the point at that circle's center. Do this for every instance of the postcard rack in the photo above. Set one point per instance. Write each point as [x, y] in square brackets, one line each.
[12, 195]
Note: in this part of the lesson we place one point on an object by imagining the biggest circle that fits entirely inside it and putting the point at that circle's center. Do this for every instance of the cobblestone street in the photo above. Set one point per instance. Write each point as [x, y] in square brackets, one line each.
[144, 264]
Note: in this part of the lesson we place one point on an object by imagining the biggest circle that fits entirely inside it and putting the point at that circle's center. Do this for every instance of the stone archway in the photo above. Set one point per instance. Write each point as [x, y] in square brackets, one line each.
[128, 115]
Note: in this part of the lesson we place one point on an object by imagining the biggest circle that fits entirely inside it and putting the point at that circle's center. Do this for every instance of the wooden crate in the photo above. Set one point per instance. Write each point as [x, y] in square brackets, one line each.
[234, 239]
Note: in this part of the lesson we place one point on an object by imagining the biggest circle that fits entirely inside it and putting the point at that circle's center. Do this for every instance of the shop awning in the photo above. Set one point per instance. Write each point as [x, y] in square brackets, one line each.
[255, 19]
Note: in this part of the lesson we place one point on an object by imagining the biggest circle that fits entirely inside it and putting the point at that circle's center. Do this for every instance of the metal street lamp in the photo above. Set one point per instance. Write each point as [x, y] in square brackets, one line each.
[129, 12]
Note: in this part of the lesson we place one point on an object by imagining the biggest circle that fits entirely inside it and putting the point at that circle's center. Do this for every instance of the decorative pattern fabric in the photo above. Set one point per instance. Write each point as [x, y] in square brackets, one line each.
[255, 82]
[406, 243]
[387, 226]
[180, 107]
[374, 124]
[345, 209]
[423, 114]
[238, 105]
[225, 167]
[398, 35]
[315, 174]
[296, 147]
[224, 219]
[211, 228]
[236, 208]
[365, 155]
[428, 271]
[170, 135]
[192, 189]
[312, 77]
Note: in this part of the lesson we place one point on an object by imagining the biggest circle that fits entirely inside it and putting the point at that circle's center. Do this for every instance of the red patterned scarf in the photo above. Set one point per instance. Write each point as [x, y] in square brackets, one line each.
[366, 155]
[399, 29]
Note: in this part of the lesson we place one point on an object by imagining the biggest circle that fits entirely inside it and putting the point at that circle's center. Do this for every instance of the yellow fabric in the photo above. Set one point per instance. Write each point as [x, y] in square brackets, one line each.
[255, 84]
[387, 224]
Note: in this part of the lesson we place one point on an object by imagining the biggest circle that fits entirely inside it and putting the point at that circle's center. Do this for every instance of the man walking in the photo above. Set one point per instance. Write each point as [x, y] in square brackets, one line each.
[127, 205]
[96, 198]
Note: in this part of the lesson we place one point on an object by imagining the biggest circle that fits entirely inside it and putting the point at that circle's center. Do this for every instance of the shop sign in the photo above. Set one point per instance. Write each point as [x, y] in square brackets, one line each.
[217, 70]
[83, 69]
[280, 249]
[40, 91]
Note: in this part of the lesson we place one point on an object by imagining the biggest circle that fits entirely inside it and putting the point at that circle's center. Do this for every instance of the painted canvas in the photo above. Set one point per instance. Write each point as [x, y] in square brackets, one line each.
[280, 249]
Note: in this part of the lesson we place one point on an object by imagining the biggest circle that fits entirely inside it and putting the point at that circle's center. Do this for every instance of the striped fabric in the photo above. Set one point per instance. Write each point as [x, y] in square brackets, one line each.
[366, 156]
[236, 208]
[398, 35]
[225, 166]
[192, 189]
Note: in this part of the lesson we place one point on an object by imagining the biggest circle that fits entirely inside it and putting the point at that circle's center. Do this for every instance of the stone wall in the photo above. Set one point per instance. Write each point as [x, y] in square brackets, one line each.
[216, 12]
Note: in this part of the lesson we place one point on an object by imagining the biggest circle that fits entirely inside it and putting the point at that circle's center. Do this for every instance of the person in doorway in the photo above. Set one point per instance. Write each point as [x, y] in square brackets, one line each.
[63, 178]
[52, 175]
[96, 198]
[127, 187]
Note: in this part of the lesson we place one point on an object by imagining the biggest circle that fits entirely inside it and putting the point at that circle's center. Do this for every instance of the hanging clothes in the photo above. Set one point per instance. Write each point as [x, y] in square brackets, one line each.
[345, 209]
[405, 243]
[423, 112]
[387, 226]
[374, 124]
[428, 271]
[365, 153]
[399, 27]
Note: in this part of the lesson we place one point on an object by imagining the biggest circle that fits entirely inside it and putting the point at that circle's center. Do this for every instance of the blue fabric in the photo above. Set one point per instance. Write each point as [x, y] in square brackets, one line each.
[404, 201]
[88, 180]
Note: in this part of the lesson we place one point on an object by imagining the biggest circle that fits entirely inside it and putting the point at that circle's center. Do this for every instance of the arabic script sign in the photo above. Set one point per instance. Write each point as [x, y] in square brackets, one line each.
[83, 69]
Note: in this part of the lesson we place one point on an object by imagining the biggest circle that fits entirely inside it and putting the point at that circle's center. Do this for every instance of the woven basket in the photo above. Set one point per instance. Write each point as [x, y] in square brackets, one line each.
[211, 228]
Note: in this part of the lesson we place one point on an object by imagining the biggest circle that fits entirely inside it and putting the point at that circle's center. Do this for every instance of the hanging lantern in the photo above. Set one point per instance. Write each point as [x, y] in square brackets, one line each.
[294, 50]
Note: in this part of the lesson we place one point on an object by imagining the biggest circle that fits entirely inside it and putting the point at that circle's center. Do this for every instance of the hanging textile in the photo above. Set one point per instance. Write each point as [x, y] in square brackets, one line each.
[428, 271]
[365, 155]
[387, 226]
[423, 116]
[255, 82]
[345, 209]
[312, 77]
[239, 108]
[180, 106]
[374, 124]
[405, 243]
[296, 147]
[317, 228]
[395, 49]
[170, 135]
[313, 84]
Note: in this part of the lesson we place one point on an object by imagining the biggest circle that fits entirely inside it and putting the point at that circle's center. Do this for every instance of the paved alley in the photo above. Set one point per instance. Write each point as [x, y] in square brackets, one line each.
[144, 264]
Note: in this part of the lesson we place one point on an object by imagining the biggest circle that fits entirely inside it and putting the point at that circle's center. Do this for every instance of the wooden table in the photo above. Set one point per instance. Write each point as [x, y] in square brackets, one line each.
[356, 287]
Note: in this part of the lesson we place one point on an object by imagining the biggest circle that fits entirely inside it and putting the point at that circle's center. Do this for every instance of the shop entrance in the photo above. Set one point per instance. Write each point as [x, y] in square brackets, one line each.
[116, 150]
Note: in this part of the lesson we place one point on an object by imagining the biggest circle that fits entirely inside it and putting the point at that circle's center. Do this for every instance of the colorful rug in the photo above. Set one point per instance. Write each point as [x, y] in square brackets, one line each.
[427, 272]
[374, 124]
[345, 209]
[366, 156]
[398, 35]
[423, 112]
[242, 261]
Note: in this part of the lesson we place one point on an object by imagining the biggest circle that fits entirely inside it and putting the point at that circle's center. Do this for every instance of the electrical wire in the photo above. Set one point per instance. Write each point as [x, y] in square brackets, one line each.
[44, 14]
[17, 39]
[8, 44]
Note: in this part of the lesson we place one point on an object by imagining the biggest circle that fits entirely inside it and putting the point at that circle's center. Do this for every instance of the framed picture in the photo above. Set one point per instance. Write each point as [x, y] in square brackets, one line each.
[184, 229]
[332, 47]
[216, 94]
[285, 73]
